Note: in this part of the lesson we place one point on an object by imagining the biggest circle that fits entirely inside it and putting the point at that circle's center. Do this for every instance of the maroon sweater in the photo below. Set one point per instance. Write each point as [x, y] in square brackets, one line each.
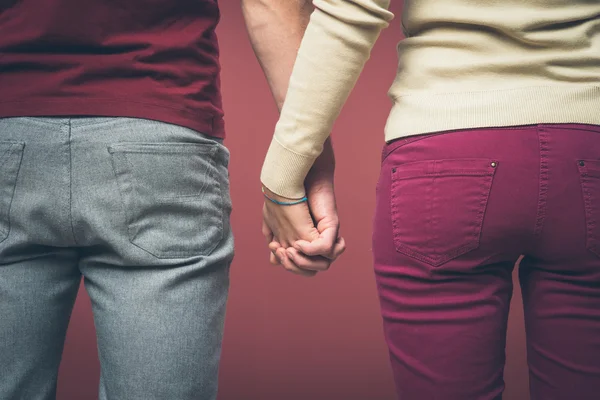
[154, 59]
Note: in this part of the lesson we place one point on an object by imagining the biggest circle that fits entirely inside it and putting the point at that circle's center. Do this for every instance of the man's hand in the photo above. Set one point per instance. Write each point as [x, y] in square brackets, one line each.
[316, 254]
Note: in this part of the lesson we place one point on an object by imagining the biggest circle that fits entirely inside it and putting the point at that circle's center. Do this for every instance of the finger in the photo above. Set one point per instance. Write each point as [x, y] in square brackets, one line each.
[291, 267]
[273, 246]
[308, 263]
[339, 248]
[323, 246]
[273, 259]
[278, 242]
[266, 231]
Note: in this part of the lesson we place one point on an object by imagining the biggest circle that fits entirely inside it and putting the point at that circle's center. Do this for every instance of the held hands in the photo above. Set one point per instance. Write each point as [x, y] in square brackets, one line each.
[303, 238]
[283, 225]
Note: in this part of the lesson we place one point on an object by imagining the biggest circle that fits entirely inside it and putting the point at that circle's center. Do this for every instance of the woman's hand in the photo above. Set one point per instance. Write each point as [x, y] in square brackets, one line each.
[284, 225]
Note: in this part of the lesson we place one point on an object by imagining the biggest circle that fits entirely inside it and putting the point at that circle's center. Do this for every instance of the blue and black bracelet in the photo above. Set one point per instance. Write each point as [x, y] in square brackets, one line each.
[283, 203]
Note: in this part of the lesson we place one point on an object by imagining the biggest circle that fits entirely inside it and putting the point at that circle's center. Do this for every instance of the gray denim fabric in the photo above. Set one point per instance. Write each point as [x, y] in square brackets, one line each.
[141, 210]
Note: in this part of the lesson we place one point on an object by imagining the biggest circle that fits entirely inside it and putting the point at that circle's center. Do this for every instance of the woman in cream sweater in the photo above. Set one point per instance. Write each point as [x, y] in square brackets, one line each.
[492, 153]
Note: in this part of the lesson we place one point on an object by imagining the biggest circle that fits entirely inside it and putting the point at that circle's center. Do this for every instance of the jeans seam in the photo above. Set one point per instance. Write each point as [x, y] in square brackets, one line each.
[4, 234]
[395, 145]
[590, 221]
[71, 184]
[543, 186]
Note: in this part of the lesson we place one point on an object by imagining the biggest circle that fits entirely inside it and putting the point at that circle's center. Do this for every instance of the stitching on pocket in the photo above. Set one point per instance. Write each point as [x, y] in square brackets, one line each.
[589, 172]
[134, 204]
[14, 154]
[435, 170]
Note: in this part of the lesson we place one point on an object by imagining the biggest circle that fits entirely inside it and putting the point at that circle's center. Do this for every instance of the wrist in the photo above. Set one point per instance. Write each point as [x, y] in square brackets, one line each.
[275, 196]
[280, 200]
[284, 171]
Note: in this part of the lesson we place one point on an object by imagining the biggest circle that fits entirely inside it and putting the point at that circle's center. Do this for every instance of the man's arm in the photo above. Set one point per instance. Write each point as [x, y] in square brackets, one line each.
[276, 28]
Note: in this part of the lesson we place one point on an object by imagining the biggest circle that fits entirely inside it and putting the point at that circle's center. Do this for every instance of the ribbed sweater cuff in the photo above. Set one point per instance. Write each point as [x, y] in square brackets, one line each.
[284, 171]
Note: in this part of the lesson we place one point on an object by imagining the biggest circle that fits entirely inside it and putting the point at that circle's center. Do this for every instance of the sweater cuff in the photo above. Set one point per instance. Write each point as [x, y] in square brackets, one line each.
[284, 171]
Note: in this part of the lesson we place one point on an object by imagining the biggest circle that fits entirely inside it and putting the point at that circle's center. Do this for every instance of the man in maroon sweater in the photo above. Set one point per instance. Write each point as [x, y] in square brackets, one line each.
[112, 167]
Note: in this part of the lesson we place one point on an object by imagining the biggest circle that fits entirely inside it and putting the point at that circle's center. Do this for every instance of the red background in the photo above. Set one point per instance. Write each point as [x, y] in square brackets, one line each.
[288, 337]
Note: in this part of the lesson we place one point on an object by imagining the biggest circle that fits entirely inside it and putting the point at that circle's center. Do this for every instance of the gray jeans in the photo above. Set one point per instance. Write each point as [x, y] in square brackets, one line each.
[141, 210]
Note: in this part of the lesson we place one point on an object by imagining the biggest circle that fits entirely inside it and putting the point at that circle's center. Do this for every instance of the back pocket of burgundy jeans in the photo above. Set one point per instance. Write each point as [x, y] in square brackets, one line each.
[590, 183]
[438, 207]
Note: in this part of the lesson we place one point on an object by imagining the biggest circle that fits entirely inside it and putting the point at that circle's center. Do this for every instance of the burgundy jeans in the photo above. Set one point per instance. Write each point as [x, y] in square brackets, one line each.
[454, 213]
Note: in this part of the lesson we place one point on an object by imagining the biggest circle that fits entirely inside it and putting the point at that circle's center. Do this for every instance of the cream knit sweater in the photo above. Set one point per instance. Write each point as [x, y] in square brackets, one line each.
[463, 64]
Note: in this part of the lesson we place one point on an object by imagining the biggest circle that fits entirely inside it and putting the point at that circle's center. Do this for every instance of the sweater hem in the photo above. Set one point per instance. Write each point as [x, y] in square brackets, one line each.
[430, 113]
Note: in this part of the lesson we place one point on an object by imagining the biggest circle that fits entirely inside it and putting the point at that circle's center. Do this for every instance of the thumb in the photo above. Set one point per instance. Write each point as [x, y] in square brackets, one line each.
[322, 246]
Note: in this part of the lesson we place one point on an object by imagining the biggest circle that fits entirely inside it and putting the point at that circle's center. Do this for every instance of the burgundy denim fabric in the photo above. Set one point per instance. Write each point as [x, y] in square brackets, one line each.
[455, 211]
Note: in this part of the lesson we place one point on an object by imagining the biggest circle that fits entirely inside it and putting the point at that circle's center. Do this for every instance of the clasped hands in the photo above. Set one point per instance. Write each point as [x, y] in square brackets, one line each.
[304, 238]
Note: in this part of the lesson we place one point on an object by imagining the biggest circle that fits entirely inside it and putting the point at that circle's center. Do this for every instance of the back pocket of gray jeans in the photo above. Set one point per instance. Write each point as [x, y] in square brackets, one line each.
[11, 154]
[171, 195]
